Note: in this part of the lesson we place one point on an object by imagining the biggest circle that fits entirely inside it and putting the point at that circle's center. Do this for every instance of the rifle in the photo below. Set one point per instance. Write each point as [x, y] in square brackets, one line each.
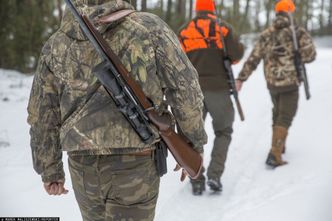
[228, 67]
[133, 103]
[299, 66]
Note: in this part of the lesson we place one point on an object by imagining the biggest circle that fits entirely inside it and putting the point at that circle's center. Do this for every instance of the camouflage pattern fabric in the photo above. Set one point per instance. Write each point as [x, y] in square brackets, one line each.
[115, 187]
[284, 107]
[275, 47]
[70, 111]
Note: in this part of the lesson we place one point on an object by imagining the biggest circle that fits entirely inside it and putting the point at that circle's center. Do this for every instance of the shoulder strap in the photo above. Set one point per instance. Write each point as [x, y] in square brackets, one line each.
[201, 31]
[116, 16]
[212, 33]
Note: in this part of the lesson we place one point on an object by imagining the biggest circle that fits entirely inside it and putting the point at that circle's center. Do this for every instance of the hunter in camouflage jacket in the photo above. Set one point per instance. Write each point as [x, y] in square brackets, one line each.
[275, 47]
[70, 111]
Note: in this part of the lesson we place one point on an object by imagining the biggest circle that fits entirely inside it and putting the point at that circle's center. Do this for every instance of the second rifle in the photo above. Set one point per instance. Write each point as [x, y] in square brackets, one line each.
[229, 70]
[299, 66]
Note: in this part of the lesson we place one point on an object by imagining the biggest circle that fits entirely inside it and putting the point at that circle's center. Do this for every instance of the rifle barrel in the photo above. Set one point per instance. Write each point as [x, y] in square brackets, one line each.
[299, 66]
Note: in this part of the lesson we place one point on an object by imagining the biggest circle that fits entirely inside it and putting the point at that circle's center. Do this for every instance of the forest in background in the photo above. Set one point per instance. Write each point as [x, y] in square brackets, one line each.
[26, 25]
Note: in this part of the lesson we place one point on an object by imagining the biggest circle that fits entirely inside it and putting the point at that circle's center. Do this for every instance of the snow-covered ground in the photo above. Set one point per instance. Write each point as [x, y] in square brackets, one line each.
[300, 191]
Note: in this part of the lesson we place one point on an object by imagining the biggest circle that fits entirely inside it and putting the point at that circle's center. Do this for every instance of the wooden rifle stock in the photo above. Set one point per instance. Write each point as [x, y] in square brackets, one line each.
[233, 89]
[239, 108]
[183, 152]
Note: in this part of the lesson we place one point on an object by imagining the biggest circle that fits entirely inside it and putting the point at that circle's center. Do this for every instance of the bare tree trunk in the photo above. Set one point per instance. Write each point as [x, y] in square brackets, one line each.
[169, 11]
[330, 15]
[143, 5]
[181, 8]
[257, 23]
[162, 5]
[299, 11]
[246, 12]
[308, 15]
[180, 13]
[221, 7]
[191, 9]
[321, 16]
[236, 12]
[268, 8]
[244, 17]
[161, 8]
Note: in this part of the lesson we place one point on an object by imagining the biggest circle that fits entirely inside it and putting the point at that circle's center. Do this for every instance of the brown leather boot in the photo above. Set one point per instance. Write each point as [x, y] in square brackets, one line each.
[278, 144]
[284, 149]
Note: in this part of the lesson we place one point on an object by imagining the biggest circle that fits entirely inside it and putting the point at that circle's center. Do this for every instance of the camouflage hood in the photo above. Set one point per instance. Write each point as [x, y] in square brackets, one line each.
[275, 47]
[95, 9]
[281, 21]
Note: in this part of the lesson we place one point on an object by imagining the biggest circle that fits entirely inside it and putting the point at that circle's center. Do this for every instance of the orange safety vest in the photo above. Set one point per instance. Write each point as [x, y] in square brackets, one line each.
[202, 32]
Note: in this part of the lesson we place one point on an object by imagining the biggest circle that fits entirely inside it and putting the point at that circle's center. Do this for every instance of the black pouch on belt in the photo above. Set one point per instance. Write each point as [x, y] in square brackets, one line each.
[161, 158]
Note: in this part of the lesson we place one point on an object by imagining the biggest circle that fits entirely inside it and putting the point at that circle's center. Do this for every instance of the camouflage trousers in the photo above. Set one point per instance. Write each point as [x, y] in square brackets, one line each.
[115, 187]
[284, 107]
[219, 105]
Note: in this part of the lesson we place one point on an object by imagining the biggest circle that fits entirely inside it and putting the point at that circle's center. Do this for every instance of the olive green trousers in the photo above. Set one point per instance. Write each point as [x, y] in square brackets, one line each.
[219, 105]
[284, 107]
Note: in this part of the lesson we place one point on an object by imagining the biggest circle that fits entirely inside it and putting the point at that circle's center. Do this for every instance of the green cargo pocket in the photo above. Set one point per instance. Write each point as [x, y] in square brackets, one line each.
[139, 183]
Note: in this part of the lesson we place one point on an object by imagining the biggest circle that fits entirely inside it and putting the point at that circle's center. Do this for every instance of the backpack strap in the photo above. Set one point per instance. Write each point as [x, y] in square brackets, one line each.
[209, 40]
[200, 30]
[212, 34]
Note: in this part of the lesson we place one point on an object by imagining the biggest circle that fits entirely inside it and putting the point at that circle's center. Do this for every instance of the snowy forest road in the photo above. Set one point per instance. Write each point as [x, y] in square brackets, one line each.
[299, 191]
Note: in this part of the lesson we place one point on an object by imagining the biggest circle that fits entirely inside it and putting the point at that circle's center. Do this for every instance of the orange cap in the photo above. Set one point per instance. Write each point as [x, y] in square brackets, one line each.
[285, 6]
[205, 5]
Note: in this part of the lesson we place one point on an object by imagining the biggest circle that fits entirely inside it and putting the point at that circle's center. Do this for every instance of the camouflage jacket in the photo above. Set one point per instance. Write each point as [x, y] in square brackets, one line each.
[275, 47]
[69, 110]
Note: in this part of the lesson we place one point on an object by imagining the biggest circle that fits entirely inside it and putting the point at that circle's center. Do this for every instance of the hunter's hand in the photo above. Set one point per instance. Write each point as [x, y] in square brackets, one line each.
[55, 188]
[184, 173]
[238, 85]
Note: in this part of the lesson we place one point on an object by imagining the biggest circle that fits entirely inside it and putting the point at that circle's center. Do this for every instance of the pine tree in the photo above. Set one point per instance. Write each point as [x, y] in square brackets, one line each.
[143, 5]
[25, 27]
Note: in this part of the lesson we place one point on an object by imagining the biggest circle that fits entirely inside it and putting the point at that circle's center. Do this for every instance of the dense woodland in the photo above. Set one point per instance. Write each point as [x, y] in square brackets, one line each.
[25, 25]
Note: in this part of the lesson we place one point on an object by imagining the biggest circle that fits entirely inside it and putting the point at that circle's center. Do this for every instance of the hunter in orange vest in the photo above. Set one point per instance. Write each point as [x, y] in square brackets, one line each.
[200, 39]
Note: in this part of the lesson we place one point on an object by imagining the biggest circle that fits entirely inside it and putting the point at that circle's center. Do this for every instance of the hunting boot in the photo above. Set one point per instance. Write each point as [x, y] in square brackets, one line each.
[198, 184]
[214, 184]
[284, 147]
[198, 188]
[278, 145]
